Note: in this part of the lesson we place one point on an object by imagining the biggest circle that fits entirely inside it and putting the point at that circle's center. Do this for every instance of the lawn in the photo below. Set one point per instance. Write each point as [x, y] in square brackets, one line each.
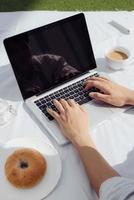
[15, 5]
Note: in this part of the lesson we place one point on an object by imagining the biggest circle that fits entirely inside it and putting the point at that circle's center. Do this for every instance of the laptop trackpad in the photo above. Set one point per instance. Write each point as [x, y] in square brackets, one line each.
[98, 112]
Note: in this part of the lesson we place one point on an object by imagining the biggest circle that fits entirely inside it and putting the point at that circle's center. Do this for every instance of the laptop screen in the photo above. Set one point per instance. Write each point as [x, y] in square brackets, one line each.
[50, 55]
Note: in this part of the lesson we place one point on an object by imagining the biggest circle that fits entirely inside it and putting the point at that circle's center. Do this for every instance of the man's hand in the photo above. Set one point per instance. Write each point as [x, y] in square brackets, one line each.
[72, 119]
[110, 92]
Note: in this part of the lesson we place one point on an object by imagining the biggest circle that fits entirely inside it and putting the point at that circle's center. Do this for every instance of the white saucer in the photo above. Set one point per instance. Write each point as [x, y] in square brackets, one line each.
[47, 184]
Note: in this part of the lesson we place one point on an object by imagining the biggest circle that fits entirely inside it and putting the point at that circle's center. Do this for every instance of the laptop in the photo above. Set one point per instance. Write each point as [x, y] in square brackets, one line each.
[52, 62]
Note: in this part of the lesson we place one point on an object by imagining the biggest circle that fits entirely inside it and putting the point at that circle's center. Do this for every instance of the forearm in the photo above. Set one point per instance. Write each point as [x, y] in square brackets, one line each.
[98, 170]
[130, 98]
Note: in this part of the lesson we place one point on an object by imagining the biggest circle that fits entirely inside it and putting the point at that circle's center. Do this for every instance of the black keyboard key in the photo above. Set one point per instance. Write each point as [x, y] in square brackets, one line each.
[56, 95]
[38, 104]
[44, 101]
[53, 107]
[74, 91]
[44, 111]
[67, 95]
[51, 97]
[41, 99]
[75, 96]
[81, 93]
[86, 100]
[50, 118]
[71, 93]
[77, 99]
[41, 107]
[48, 104]
[71, 97]
[67, 90]
[81, 97]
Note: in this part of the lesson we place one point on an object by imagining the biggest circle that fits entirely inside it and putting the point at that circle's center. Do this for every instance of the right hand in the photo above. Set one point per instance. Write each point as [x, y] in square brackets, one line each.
[110, 92]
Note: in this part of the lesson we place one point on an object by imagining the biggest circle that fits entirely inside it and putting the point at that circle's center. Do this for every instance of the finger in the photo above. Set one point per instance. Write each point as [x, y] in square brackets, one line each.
[91, 78]
[99, 78]
[64, 104]
[82, 108]
[99, 96]
[104, 78]
[97, 84]
[54, 114]
[72, 103]
[59, 106]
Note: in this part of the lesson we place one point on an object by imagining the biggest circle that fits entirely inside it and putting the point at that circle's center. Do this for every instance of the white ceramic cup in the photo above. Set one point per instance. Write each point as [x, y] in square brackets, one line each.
[118, 64]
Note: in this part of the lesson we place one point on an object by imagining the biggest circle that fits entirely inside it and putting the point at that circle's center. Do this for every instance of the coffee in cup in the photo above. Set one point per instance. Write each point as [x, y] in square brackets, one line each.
[118, 57]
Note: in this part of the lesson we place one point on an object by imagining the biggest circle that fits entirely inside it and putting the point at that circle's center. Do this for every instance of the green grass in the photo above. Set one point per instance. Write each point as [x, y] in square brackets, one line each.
[16, 5]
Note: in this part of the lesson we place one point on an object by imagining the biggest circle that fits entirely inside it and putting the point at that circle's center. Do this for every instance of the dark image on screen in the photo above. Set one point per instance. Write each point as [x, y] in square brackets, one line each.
[46, 57]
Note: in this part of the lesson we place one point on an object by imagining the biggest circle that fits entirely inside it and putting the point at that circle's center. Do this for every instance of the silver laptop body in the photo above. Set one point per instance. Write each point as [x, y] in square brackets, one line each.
[50, 58]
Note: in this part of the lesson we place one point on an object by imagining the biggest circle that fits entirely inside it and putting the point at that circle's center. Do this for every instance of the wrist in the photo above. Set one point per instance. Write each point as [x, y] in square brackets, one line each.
[130, 98]
[81, 141]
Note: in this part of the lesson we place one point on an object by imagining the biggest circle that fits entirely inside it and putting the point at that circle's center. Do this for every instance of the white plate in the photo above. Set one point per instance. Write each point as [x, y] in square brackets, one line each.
[47, 184]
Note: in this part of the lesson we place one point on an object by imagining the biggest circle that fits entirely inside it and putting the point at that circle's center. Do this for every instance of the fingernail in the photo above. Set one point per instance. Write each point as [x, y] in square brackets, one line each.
[84, 83]
[91, 94]
[47, 109]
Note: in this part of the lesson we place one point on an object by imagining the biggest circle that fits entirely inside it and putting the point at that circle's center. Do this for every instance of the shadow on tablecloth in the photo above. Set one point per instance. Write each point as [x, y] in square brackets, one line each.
[9, 89]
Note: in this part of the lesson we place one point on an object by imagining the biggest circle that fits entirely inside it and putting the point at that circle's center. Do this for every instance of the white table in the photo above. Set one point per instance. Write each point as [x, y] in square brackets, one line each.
[114, 138]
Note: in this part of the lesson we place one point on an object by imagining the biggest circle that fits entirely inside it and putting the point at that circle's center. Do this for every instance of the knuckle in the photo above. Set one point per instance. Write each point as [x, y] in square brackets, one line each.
[62, 112]
[63, 118]
[57, 119]
[93, 83]
[54, 115]
[87, 81]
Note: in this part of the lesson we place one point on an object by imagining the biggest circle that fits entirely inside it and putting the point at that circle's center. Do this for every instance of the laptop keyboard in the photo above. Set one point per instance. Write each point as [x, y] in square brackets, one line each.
[74, 91]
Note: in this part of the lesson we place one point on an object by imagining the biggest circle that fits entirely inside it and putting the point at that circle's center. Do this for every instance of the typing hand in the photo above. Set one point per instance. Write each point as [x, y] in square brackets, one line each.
[72, 119]
[110, 92]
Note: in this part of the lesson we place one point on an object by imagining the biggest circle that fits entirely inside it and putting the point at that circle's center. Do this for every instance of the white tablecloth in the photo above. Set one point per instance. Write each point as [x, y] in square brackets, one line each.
[114, 138]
